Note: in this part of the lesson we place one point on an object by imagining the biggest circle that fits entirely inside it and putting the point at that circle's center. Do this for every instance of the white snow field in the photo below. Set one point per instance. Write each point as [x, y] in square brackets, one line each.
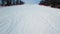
[29, 19]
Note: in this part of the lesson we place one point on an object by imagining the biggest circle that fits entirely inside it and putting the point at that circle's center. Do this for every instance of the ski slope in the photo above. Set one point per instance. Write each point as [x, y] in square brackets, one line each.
[29, 19]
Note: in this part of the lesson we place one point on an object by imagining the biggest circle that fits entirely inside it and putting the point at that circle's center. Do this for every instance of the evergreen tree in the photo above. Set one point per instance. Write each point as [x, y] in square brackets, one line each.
[3, 2]
[52, 3]
[11, 2]
[6, 2]
[21, 2]
[17, 2]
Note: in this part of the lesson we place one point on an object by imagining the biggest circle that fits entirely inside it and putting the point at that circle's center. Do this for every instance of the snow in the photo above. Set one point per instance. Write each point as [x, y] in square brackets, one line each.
[29, 19]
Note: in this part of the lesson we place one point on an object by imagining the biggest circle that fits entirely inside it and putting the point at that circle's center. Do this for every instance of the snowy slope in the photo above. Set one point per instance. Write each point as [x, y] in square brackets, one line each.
[29, 19]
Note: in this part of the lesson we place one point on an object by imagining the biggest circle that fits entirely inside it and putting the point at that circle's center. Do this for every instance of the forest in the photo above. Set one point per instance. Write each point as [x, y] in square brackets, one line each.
[11, 2]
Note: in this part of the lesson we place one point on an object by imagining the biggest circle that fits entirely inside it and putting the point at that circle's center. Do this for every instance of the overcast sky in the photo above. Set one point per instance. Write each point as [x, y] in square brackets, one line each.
[31, 1]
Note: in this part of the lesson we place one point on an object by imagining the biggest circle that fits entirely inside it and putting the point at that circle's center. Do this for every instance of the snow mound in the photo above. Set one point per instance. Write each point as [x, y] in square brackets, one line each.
[29, 19]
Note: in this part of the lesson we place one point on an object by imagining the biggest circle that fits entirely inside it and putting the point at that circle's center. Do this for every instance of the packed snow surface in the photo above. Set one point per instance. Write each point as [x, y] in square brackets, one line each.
[29, 19]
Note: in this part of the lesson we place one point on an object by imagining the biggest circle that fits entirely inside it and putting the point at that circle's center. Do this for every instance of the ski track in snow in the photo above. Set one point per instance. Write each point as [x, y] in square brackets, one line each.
[29, 19]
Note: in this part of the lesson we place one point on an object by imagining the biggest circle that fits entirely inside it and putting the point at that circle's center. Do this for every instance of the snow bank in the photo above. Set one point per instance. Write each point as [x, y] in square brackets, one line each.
[29, 19]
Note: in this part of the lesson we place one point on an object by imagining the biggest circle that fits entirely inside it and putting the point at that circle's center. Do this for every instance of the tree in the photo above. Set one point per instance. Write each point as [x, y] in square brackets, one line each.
[52, 3]
[6, 2]
[21, 2]
[3, 2]
[46, 2]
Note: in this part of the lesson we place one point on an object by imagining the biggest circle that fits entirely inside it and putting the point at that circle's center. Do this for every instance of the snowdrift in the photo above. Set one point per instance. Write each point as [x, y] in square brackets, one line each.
[29, 19]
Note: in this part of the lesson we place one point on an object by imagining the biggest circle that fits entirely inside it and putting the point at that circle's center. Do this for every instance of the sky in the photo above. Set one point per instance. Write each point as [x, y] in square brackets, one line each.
[31, 1]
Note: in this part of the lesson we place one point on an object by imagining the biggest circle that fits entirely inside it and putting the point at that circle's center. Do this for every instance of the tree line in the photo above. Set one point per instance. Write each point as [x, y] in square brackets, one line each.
[52, 3]
[11, 2]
